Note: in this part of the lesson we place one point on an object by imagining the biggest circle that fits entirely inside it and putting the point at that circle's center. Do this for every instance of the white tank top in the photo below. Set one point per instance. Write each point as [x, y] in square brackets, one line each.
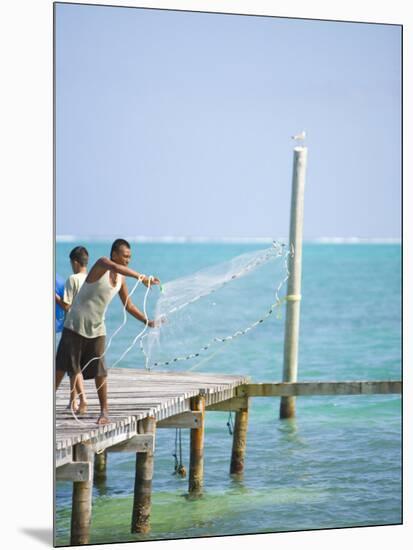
[87, 314]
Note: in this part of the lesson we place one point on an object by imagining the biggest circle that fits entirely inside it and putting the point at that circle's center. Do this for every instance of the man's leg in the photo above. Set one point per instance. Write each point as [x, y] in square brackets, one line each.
[102, 389]
[73, 392]
[80, 389]
[61, 358]
[59, 377]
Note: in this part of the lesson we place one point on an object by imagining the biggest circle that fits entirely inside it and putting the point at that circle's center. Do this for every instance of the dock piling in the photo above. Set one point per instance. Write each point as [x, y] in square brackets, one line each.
[100, 467]
[239, 442]
[81, 499]
[196, 460]
[142, 500]
[292, 318]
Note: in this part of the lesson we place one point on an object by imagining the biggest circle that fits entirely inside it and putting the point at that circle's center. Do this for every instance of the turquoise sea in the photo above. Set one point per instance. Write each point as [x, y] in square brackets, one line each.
[338, 464]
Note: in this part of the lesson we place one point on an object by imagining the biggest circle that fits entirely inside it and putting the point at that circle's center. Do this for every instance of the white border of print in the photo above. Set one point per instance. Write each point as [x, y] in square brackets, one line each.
[27, 284]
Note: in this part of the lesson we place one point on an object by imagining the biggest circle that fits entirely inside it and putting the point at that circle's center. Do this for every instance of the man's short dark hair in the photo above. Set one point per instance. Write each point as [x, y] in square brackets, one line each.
[80, 255]
[117, 244]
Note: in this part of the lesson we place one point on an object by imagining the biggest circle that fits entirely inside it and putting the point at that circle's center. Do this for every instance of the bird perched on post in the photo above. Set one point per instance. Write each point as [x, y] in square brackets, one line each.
[299, 137]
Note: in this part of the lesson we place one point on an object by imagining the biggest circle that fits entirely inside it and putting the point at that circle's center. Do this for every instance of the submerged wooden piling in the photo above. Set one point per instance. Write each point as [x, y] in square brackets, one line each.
[292, 319]
[196, 459]
[100, 467]
[81, 499]
[142, 499]
[239, 442]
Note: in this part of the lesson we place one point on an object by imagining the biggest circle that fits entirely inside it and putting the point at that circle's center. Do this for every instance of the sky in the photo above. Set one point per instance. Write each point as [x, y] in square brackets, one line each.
[179, 124]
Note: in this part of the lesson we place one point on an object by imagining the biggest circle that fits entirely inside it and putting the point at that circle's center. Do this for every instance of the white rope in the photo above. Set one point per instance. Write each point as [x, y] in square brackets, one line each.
[140, 333]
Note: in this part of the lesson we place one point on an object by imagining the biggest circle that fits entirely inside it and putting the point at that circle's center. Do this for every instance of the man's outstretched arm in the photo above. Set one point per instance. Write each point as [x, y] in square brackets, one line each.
[105, 264]
[131, 308]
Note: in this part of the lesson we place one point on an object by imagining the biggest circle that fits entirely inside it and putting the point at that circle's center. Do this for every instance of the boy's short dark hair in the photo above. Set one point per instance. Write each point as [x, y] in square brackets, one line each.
[117, 244]
[80, 255]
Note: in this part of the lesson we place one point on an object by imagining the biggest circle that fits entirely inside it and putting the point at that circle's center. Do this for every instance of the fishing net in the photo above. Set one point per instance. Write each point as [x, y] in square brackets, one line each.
[198, 313]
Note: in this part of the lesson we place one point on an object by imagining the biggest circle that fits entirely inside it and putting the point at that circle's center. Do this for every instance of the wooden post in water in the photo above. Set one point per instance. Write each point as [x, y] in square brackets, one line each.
[292, 319]
[239, 442]
[196, 459]
[100, 467]
[81, 499]
[142, 500]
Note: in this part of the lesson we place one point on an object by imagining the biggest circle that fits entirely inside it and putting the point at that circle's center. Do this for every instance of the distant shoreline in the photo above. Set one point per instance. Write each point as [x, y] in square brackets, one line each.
[227, 240]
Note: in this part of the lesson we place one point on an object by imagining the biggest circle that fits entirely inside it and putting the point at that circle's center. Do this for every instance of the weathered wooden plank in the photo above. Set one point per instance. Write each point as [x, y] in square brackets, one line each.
[64, 454]
[139, 443]
[135, 395]
[74, 471]
[232, 404]
[388, 386]
[187, 419]
[319, 388]
[118, 434]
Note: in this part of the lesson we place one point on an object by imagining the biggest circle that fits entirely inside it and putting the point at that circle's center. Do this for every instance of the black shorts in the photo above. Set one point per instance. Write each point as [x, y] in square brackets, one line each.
[75, 351]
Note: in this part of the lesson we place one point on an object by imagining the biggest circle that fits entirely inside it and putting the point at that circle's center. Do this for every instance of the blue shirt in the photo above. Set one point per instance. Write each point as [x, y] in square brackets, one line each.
[60, 313]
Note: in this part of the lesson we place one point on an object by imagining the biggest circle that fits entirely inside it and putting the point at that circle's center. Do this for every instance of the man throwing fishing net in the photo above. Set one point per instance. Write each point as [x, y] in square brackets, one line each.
[82, 345]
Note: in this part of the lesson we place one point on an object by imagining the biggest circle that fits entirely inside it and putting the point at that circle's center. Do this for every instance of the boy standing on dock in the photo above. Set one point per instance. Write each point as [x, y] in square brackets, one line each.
[82, 346]
[79, 258]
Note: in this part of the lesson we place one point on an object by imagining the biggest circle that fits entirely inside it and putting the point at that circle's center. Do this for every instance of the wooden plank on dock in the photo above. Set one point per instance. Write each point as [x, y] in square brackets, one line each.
[75, 471]
[319, 388]
[139, 443]
[187, 419]
[133, 395]
[234, 404]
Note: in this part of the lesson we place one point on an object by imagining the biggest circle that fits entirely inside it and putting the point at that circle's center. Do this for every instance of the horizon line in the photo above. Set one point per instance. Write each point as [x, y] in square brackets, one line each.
[64, 238]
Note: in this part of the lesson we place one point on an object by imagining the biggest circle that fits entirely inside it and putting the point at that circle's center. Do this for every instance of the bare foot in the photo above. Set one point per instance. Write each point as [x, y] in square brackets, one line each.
[103, 419]
[82, 407]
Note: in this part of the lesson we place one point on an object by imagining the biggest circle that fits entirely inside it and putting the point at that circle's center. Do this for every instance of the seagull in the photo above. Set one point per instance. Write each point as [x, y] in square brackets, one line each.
[299, 137]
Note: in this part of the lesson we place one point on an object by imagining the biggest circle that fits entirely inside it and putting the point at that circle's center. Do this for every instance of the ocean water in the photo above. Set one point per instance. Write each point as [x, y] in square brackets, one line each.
[337, 464]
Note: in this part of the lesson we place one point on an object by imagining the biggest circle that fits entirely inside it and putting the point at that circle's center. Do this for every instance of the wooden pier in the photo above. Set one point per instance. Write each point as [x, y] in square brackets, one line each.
[140, 402]
[134, 395]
